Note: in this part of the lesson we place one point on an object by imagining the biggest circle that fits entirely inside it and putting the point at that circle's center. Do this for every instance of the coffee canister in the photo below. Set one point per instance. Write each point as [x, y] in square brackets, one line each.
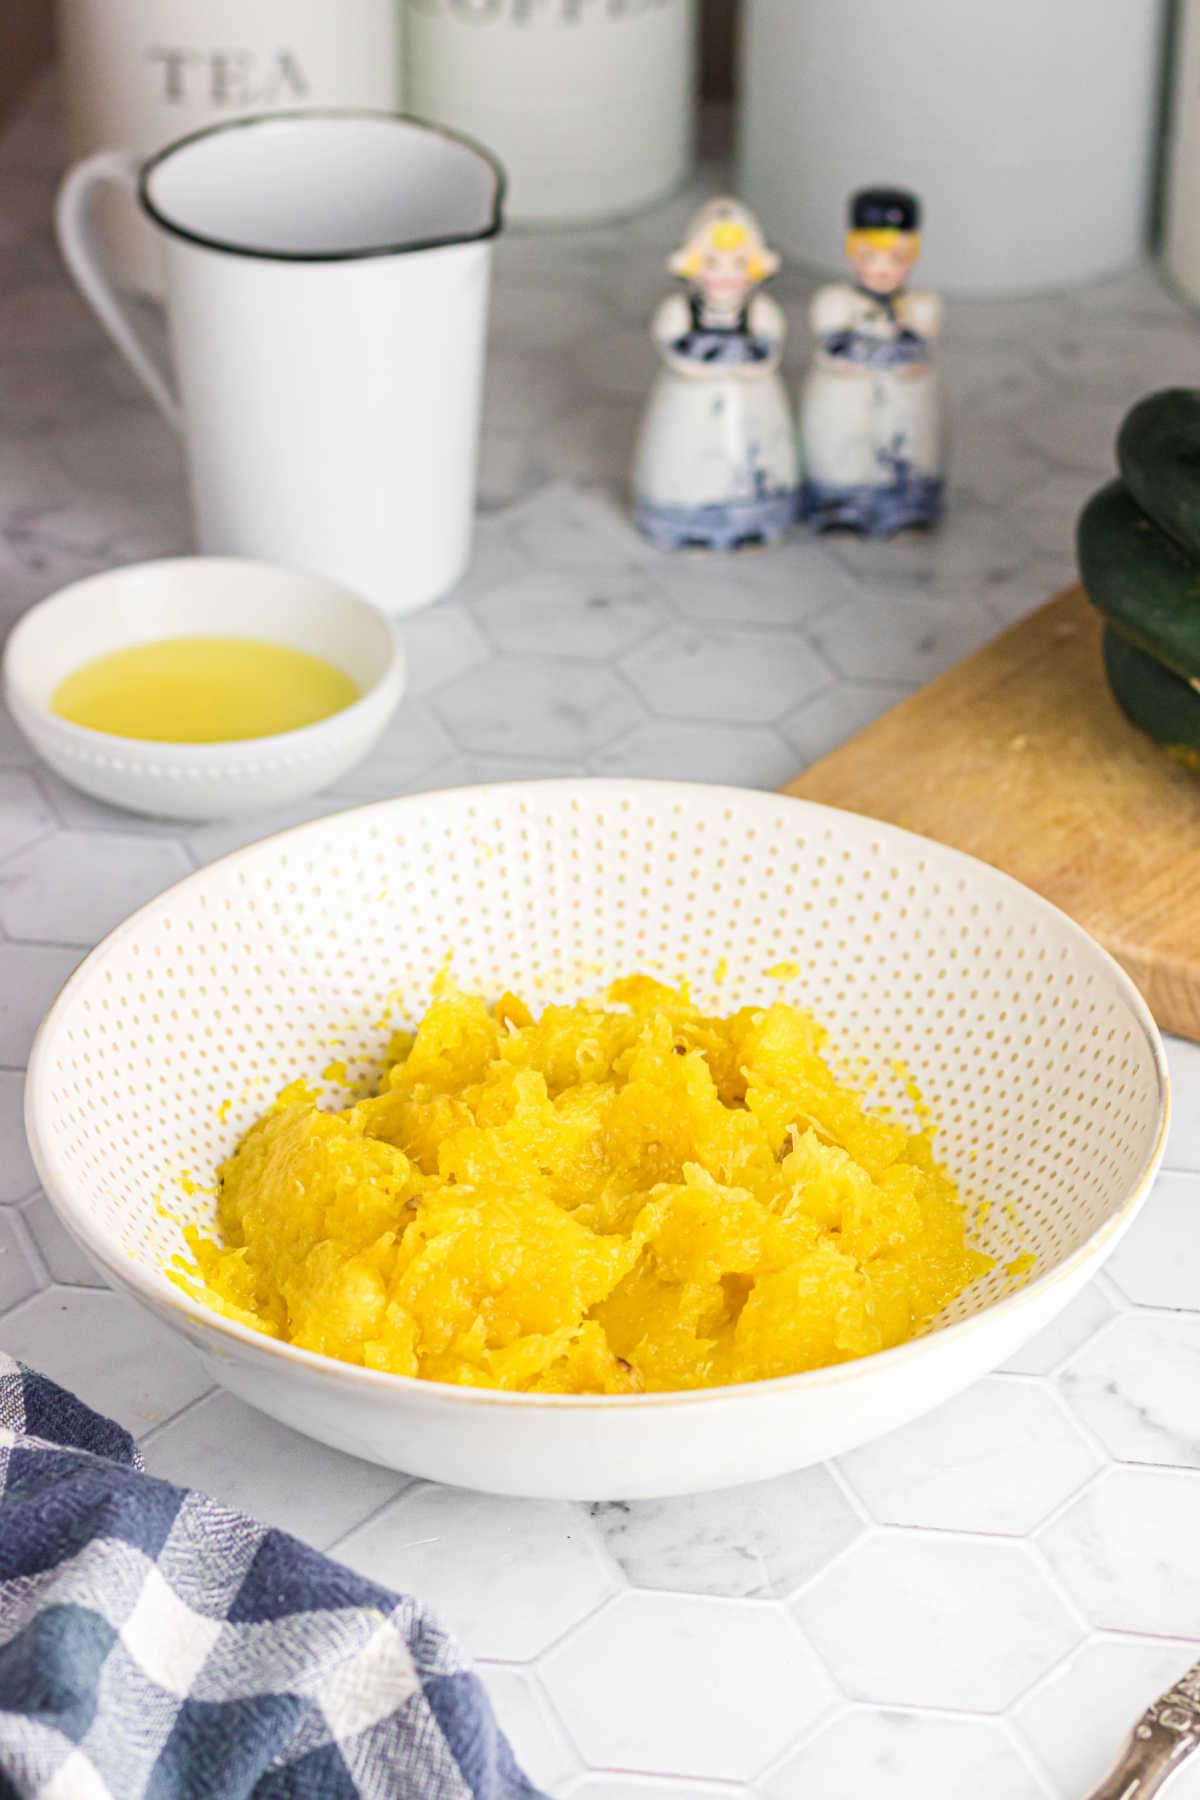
[589, 104]
[1028, 129]
[140, 73]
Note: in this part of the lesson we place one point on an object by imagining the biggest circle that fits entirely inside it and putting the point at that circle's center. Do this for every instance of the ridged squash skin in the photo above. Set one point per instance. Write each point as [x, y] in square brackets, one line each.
[1158, 453]
[1141, 579]
[1157, 702]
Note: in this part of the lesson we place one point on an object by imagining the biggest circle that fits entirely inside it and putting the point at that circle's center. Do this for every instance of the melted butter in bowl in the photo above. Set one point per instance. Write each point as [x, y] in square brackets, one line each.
[203, 690]
[203, 687]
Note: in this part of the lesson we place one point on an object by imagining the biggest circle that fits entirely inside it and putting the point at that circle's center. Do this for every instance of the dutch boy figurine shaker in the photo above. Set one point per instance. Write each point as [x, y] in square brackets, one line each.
[716, 464]
[870, 410]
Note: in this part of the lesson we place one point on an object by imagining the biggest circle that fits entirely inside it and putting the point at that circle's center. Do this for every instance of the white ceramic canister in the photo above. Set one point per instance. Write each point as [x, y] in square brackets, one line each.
[1027, 128]
[140, 73]
[589, 104]
[1181, 213]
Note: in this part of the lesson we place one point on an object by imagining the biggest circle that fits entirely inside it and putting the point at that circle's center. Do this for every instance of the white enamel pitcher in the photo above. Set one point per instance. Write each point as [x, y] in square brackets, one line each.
[327, 282]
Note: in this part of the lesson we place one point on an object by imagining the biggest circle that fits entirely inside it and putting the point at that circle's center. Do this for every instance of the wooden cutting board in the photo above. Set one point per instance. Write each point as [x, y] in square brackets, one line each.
[1021, 756]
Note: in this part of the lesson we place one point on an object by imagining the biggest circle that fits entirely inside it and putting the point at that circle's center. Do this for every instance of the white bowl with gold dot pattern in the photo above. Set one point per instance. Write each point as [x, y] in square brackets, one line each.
[1035, 1051]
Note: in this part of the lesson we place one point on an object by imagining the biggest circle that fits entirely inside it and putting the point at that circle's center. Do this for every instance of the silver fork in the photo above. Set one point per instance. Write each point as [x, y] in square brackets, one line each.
[1163, 1738]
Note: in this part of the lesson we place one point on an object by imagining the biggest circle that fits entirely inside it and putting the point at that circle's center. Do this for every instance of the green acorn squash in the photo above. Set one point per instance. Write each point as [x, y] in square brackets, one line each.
[1158, 452]
[1140, 579]
[1157, 702]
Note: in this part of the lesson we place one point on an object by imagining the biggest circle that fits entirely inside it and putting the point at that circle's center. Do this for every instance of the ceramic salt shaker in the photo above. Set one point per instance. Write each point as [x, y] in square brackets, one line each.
[716, 465]
[871, 431]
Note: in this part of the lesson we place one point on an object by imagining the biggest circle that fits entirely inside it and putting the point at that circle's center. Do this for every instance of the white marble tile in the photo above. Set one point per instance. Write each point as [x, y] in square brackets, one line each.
[1183, 1141]
[976, 543]
[732, 676]
[62, 1256]
[1086, 1314]
[76, 537]
[17, 1174]
[28, 205]
[594, 441]
[30, 977]
[900, 636]
[1015, 596]
[439, 643]
[984, 320]
[525, 1716]
[43, 899]
[1157, 1262]
[289, 1481]
[528, 704]
[1127, 1551]
[498, 767]
[988, 379]
[906, 1756]
[127, 450]
[81, 812]
[1076, 1720]
[622, 361]
[821, 723]
[220, 838]
[1121, 358]
[509, 465]
[988, 459]
[898, 1620]
[524, 390]
[1074, 433]
[109, 1352]
[539, 316]
[561, 612]
[415, 742]
[672, 750]
[371, 783]
[24, 814]
[748, 1542]
[53, 387]
[1048, 511]
[779, 584]
[1137, 1386]
[507, 1576]
[13, 747]
[33, 480]
[1140, 294]
[565, 526]
[679, 1685]
[999, 1457]
[19, 1277]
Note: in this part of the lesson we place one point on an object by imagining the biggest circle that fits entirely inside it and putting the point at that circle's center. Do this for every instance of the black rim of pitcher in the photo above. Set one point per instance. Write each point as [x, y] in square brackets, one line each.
[410, 247]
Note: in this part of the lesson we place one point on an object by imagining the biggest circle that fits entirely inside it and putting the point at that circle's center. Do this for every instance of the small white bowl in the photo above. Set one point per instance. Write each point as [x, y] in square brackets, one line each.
[202, 596]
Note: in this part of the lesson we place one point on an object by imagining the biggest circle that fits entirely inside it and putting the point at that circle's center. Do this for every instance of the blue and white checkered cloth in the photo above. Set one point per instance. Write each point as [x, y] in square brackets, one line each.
[155, 1645]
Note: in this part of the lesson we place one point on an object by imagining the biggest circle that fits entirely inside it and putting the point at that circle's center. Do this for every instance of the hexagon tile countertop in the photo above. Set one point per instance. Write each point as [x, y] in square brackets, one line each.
[979, 1604]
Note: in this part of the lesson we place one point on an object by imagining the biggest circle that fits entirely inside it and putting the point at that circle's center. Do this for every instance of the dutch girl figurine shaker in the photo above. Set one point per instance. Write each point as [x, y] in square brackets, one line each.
[716, 463]
[870, 409]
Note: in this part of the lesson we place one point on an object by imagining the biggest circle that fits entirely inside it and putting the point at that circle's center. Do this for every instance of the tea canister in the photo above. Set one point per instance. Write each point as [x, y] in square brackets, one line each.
[589, 104]
[140, 73]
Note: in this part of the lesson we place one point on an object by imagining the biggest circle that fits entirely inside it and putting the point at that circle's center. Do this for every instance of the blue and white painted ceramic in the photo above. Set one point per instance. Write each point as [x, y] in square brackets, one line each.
[871, 424]
[716, 464]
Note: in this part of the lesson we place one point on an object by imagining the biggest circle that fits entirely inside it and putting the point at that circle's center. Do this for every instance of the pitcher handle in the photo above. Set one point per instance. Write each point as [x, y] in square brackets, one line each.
[79, 241]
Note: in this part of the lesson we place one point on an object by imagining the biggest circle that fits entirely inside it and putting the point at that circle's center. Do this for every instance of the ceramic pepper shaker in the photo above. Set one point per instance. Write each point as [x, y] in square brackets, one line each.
[871, 434]
[716, 465]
